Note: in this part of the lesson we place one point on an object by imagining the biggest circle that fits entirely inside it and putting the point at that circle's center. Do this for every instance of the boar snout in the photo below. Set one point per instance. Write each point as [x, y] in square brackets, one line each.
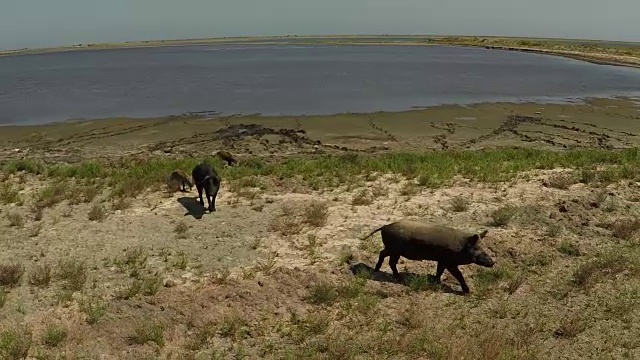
[484, 259]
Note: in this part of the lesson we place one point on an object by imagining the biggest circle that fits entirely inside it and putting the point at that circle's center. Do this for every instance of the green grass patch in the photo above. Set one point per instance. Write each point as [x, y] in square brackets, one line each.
[432, 169]
[53, 336]
[15, 344]
[8, 195]
[486, 278]
[605, 265]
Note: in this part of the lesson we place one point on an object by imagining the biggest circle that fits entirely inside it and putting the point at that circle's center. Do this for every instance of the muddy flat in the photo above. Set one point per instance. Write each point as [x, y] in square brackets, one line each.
[596, 123]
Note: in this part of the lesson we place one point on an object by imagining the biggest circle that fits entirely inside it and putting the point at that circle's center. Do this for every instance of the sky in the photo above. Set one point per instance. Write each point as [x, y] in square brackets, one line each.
[43, 23]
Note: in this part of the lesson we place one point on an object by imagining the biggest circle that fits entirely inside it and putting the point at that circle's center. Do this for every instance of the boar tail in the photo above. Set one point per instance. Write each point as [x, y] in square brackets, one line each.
[373, 232]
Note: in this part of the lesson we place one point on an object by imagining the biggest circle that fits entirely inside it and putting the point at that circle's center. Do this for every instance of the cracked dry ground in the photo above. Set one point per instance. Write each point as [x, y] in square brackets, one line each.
[279, 274]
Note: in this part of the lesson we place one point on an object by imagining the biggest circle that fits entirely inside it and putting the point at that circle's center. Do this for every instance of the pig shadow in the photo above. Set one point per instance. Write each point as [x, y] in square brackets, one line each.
[193, 207]
[382, 276]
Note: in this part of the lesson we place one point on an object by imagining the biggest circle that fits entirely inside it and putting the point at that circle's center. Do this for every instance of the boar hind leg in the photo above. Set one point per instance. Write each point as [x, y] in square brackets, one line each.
[393, 261]
[439, 271]
[383, 254]
[458, 275]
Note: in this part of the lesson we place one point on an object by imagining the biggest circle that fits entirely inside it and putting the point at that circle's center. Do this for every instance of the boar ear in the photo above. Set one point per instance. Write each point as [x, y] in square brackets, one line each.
[483, 234]
[473, 239]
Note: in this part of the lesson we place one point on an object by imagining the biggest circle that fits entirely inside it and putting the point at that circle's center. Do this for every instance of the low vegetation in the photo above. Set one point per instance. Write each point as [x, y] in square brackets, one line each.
[11, 274]
[308, 290]
[72, 273]
[53, 336]
[15, 343]
[145, 331]
[40, 275]
[485, 166]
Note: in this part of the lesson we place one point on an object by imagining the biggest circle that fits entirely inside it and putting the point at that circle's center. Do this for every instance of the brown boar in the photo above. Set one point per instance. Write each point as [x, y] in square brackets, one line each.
[181, 178]
[226, 156]
[447, 246]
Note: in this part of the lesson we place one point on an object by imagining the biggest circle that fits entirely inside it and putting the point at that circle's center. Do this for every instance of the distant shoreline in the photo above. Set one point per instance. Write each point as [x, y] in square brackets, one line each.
[625, 54]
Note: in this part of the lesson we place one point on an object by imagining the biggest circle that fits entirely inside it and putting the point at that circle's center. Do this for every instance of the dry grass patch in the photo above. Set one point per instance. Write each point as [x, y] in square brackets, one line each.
[625, 229]
[553, 230]
[11, 274]
[362, 197]
[40, 275]
[346, 256]
[459, 204]
[561, 181]
[133, 261]
[604, 265]
[73, 274]
[97, 212]
[201, 336]
[287, 222]
[121, 204]
[181, 230]
[570, 327]
[83, 193]
[379, 191]
[67, 212]
[316, 213]
[8, 195]
[222, 276]
[248, 187]
[569, 248]
[35, 230]
[15, 219]
[409, 189]
[502, 216]
[38, 213]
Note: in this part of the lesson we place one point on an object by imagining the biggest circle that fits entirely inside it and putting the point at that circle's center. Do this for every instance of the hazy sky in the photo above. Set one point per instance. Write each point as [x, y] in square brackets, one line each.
[37, 23]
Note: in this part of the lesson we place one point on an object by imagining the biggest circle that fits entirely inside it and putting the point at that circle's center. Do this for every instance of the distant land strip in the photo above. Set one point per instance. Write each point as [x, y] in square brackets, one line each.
[595, 51]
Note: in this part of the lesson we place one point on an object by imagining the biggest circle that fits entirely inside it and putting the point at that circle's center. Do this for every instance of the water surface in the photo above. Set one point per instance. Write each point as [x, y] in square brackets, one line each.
[288, 80]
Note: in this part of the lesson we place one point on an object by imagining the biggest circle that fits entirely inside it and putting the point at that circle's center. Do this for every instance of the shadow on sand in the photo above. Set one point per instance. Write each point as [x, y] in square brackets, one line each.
[193, 207]
[381, 276]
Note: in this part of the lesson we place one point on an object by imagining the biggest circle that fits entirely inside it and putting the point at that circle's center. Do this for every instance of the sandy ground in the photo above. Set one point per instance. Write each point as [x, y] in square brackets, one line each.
[237, 283]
